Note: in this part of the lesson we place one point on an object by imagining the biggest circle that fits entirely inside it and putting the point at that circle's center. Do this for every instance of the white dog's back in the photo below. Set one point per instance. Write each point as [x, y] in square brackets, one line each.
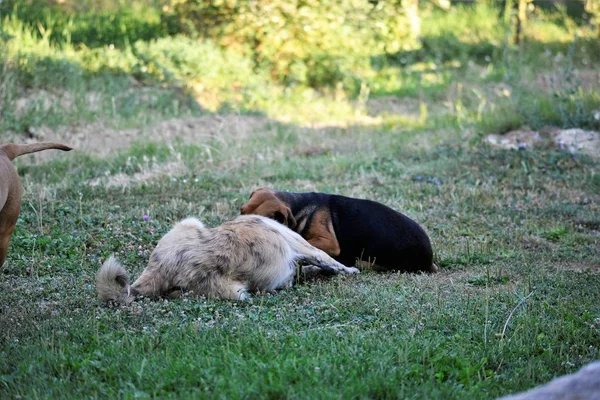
[250, 250]
[248, 253]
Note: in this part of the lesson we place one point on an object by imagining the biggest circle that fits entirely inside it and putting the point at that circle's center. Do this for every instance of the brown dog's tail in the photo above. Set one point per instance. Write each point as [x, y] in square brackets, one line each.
[15, 150]
[112, 283]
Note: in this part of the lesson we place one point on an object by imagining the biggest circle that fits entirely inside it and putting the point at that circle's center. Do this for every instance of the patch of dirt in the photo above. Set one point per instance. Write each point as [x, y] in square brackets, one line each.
[400, 106]
[391, 105]
[573, 140]
[100, 140]
[312, 150]
[578, 266]
[42, 100]
[174, 168]
[536, 243]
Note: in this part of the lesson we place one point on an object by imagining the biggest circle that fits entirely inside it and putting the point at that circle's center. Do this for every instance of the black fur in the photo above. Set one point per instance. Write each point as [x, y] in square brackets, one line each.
[369, 231]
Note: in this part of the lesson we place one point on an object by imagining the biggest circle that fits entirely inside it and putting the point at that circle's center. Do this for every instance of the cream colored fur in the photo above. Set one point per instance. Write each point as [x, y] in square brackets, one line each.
[246, 254]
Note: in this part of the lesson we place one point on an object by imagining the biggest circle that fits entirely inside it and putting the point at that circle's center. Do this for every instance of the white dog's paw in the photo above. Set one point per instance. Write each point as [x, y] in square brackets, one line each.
[288, 284]
[353, 271]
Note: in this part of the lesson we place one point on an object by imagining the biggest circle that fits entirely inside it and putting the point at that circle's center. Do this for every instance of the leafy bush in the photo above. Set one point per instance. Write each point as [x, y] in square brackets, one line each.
[188, 59]
[311, 42]
[223, 75]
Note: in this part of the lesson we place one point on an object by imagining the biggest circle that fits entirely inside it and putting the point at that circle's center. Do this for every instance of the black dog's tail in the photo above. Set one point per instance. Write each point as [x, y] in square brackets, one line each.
[112, 283]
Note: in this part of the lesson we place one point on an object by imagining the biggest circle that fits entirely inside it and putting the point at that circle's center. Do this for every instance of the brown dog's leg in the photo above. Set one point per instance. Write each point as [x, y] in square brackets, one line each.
[4, 242]
[6, 230]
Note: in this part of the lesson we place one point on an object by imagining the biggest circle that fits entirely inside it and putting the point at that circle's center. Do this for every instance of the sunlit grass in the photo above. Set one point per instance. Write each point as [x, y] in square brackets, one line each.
[191, 71]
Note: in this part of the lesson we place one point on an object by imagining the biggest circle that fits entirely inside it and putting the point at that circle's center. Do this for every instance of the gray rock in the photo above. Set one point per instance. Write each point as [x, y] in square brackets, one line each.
[582, 385]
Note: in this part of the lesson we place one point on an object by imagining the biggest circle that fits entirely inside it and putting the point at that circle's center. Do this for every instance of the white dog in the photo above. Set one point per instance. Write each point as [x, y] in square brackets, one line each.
[246, 254]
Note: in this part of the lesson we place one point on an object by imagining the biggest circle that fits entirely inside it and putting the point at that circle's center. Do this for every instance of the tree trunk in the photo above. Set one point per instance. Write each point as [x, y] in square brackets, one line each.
[521, 20]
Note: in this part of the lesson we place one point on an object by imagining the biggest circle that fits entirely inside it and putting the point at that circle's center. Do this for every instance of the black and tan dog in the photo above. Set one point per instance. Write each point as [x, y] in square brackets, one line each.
[246, 254]
[350, 230]
[10, 187]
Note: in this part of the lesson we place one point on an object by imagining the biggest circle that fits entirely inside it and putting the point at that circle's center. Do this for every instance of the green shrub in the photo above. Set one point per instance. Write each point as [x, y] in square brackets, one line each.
[217, 75]
[309, 42]
[189, 59]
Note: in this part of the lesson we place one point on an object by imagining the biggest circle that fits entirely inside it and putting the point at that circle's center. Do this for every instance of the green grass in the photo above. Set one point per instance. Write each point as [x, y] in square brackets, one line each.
[505, 224]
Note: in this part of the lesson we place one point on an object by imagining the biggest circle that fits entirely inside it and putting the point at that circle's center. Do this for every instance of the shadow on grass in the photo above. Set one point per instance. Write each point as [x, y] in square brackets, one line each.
[451, 49]
[69, 22]
[53, 90]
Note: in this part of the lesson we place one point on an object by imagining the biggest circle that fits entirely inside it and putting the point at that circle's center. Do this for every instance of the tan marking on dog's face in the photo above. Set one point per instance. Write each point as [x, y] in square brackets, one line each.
[321, 234]
[264, 202]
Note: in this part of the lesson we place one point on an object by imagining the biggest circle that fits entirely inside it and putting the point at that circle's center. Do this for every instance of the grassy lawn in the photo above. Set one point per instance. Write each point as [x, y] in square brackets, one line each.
[515, 232]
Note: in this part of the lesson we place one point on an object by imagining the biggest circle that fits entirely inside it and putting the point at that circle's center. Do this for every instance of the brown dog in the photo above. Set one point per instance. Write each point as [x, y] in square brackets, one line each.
[248, 253]
[349, 230]
[10, 188]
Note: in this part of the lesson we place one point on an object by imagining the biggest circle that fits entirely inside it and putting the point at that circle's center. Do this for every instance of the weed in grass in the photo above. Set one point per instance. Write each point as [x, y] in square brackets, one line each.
[555, 234]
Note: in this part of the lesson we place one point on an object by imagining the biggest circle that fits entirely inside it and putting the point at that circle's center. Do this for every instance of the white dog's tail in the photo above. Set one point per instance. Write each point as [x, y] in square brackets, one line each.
[112, 283]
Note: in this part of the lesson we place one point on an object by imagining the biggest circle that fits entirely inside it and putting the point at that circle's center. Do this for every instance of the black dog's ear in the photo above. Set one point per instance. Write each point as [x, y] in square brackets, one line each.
[279, 217]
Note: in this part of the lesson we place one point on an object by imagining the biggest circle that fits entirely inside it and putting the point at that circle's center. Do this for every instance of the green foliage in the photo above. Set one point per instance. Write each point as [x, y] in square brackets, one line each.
[555, 234]
[295, 61]
[207, 69]
[92, 26]
[593, 7]
[446, 36]
[314, 43]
